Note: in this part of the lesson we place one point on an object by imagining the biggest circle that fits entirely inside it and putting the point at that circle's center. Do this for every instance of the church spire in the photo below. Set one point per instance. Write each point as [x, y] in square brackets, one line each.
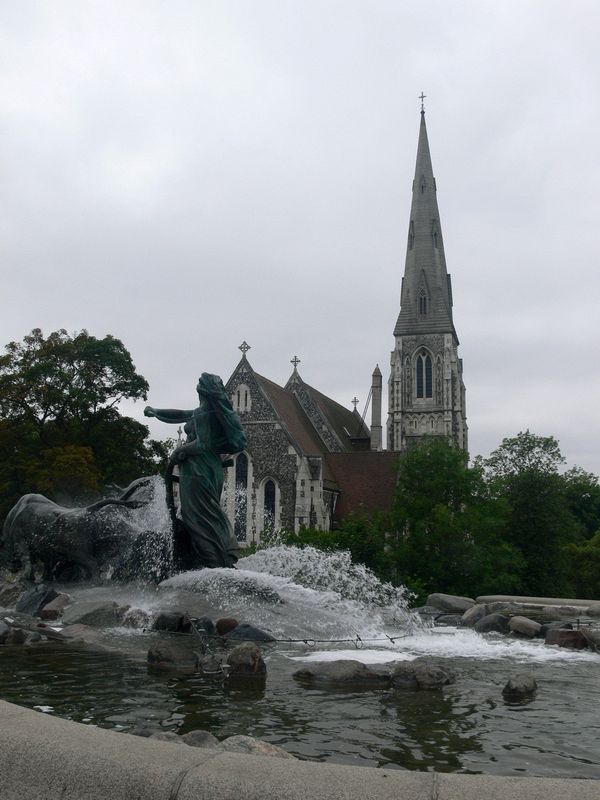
[426, 298]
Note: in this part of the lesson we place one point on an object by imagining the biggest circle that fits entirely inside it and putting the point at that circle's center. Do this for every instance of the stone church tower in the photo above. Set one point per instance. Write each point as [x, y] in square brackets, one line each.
[426, 389]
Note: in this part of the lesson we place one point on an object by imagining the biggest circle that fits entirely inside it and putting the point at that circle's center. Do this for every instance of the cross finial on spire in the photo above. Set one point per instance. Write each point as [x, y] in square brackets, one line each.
[244, 347]
[295, 361]
[355, 401]
[422, 98]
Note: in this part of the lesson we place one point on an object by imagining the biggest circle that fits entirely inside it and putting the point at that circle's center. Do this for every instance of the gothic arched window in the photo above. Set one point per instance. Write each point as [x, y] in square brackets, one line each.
[269, 506]
[423, 303]
[424, 369]
[411, 236]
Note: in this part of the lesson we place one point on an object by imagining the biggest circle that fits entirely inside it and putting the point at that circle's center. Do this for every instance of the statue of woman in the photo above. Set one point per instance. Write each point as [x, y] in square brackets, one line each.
[213, 429]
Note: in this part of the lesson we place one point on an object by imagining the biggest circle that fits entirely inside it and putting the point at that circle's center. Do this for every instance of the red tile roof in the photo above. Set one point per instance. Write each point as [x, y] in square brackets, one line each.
[367, 481]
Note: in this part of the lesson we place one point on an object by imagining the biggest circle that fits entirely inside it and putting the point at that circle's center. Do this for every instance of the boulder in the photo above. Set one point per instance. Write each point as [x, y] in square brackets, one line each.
[561, 612]
[200, 738]
[592, 638]
[450, 603]
[211, 665]
[593, 610]
[15, 636]
[520, 686]
[4, 631]
[344, 672]
[55, 608]
[497, 623]
[504, 607]
[11, 588]
[248, 744]
[34, 599]
[136, 618]
[205, 625]
[474, 614]
[550, 626]
[249, 633]
[225, 625]
[174, 621]
[414, 675]
[166, 736]
[566, 638]
[80, 632]
[523, 626]
[246, 661]
[92, 612]
[167, 656]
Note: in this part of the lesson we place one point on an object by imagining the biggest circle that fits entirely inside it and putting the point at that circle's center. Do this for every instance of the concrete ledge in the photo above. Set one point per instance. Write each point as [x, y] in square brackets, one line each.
[47, 758]
[535, 601]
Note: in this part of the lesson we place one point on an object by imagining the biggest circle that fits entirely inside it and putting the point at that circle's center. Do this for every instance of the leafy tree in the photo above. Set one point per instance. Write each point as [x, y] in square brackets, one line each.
[448, 525]
[584, 567]
[60, 429]
[525, 471]
[583, 499]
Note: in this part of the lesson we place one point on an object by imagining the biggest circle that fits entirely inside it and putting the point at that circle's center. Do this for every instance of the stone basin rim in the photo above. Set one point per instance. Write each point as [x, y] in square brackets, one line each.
[74, 760]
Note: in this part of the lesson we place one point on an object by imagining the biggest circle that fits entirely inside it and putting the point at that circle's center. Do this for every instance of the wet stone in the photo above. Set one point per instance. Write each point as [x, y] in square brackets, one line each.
[34, 599]
[344, 671]
[520, 686]
[246, 661]
[249, 633]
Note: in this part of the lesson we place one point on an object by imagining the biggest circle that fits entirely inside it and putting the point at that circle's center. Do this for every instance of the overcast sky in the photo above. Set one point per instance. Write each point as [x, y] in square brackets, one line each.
[188, 174]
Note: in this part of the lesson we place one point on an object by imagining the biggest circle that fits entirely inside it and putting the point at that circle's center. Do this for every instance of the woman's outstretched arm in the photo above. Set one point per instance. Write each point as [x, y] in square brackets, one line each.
[172, 415]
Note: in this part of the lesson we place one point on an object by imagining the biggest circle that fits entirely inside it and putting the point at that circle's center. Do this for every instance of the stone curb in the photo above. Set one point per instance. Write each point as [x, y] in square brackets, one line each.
[46, 758]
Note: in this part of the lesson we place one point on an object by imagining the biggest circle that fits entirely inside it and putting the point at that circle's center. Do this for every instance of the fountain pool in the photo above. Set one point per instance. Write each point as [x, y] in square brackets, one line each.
[323, 603]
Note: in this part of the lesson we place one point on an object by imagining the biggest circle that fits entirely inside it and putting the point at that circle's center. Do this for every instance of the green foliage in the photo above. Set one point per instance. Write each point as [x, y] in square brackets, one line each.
[448, 526]
[524, 470]
[583, 499]
[60, 431]
[584, 567]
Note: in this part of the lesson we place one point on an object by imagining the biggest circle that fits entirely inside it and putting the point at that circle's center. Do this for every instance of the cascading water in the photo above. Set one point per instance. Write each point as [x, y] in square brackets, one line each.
[304, 593]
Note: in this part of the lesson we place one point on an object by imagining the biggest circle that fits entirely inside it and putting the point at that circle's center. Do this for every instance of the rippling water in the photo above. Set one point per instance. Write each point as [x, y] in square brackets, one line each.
[467, 727]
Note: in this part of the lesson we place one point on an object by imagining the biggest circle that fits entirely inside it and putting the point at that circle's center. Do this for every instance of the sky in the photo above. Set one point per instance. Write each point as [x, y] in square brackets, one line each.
[189, 174]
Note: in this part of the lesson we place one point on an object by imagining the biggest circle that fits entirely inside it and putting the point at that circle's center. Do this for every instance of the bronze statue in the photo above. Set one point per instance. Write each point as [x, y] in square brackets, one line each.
[214, 432]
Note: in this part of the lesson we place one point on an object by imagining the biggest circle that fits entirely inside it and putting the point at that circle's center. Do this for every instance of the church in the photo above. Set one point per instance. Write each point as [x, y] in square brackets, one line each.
[310, 461]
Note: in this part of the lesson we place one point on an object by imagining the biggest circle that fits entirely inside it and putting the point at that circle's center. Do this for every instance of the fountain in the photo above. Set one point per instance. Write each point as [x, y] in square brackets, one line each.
[317, 607]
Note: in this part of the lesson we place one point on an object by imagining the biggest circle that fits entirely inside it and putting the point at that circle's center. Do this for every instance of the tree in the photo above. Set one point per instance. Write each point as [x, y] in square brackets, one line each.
[61, 432]
[448, 526]
[525, 471]
[583, 499]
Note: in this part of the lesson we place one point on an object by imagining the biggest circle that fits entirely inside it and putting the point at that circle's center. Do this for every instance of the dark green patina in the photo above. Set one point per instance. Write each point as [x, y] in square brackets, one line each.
[203, 535]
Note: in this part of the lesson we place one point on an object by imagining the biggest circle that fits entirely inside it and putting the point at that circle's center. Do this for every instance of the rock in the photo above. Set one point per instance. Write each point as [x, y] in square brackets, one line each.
[559, 612]
[175, 621]
[520, 686]
[225, 625]
[524, 627]
[591, 611]
[55, 608]
[492, 623]
[166, 736]
[450, 603]
[427, 611]
[414, 675]
[200, 738]
[172, 657]
[11, 588]
[92, 612]
[448, 619]
[205, 625]
[211, 665]
[592, 638]
[15, 636]
[31, 601]
[79, 631]
[246, 661]
[249, 633]
[551, 626]
[344, 671]
[566, 638]
[4, 631]
[504, 607]
[473, 615]
[136, 618]
[248, 744]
